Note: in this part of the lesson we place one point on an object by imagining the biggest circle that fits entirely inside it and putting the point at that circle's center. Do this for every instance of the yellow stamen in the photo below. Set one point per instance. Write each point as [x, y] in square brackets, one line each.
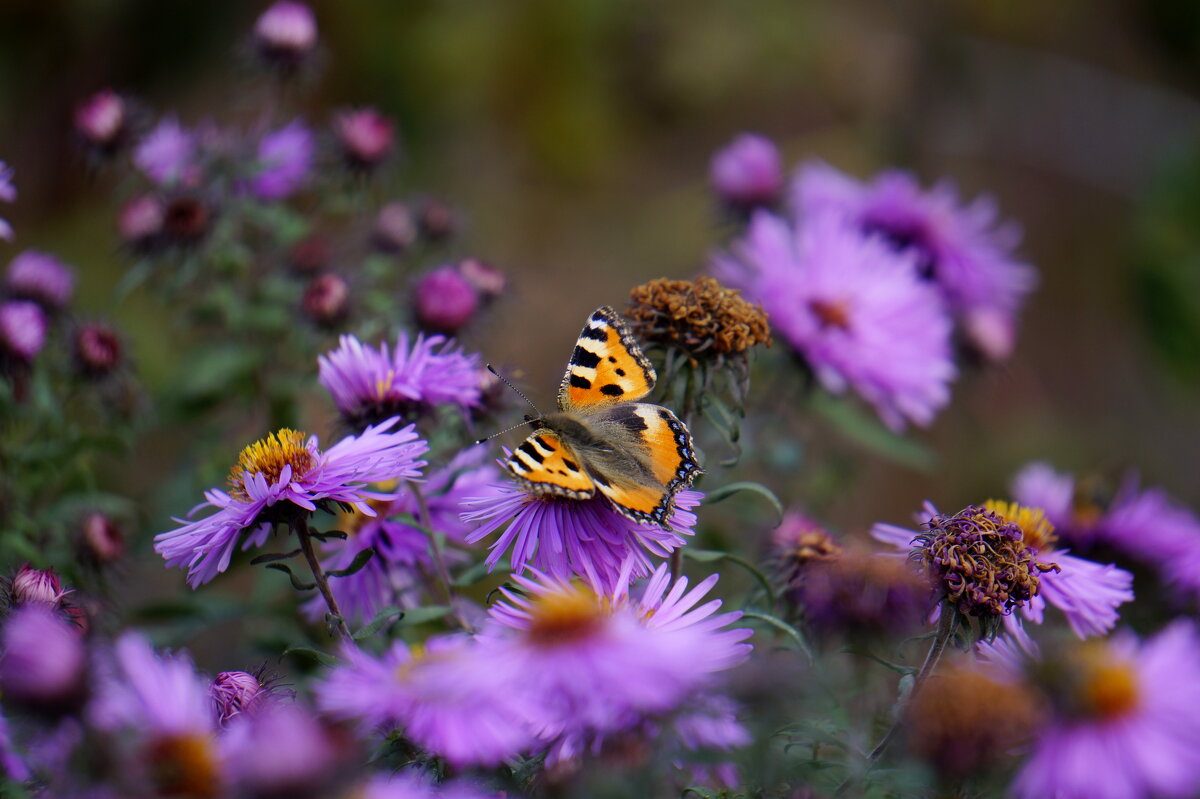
[1036, 530]
[384, 384]
[268, 456]
[565, 615]
[1109, 687]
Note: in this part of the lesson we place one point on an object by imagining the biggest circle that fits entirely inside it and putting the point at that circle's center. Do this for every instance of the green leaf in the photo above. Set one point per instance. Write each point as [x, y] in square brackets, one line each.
[336, 535]
[710, 555]
[728, 490]
[425, 614]
[324, 658]
[701, 791]
[868, 432]
[383, 618]
[272, 557]
[782, 626]
[356, 565]
[297, 583]
[478, 572]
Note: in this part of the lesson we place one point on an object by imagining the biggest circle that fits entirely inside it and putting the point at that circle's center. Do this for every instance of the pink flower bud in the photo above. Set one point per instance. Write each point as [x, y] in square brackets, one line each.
[326, 300]
[365, 135]
[286, 32]
[37, 587]
[445, 302]
[748, 172]
[100, 120]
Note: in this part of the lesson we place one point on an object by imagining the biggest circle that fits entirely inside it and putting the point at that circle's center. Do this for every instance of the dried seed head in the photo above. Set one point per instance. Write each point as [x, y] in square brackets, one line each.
[700, 317]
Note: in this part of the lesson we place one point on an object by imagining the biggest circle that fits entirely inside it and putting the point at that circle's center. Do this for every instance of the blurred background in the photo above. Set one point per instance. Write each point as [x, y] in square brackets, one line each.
[574, 139]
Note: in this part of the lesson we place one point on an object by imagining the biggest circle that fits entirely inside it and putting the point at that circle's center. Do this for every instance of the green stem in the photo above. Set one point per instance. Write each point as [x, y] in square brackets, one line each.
[439, 560]
[314, 565]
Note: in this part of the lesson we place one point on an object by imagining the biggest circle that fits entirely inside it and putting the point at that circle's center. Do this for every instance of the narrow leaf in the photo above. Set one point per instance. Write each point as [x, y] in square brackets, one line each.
[297, 583]
[356, 565]
[273, 557]
[711, 555]
[782, 626]
[728, 490]
[384, 617]
[323, 658]
[425, 614]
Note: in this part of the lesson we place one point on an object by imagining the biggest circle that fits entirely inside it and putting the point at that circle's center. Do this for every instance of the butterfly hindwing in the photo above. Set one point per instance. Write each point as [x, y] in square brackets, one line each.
[607, 366]
[545, 464]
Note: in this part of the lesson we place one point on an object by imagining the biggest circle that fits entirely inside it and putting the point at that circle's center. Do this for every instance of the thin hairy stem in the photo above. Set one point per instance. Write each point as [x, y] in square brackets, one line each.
[314, 565]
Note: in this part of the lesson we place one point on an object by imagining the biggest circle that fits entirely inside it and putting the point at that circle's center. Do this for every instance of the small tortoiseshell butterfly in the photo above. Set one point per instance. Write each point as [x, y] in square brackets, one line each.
[636, 454]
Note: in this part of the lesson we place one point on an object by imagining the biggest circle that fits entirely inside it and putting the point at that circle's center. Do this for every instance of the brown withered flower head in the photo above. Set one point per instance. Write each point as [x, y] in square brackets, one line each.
[700, 317]
[966, 719]
[798, 543]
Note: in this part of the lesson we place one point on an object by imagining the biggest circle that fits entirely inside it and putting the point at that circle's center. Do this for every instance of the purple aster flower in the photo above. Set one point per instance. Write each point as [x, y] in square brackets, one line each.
[43, 663]
[280, 751]
[282, 476]
[1127, 724]
[1150, 526]
[368, 384]
[365, 135]
[595, 665]
[853, 308]
[961, 248]
[449, 697]
[100, 121]
[11, 763]
[141, 220]
[1087, 593]
[567, 537]
[167, 154]
[390, 576]
[22, 329]
[748, 172]
[284, 161]
[40, 277]
[286, 32]
[237, 692]
[8, 194]
[444, 300]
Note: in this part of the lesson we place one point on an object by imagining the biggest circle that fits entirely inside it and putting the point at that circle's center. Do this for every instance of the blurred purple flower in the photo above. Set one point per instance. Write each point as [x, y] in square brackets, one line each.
[962, 248]
[595, 664]
[284, 161]
[100, 120]
[102, 539]
[284, 475]
[569, 537]
[39, 276]
[710, 725]
[22, 329]
[234, 693]
[97, 349]
[368, 384]
[411, 786]
[286, 31]
[279, 751]
[11, 763]
[365, 135]
[748, 172]
[389, 577]
[8, 194]
[395, 228]
[167, 153]
[444, 300]
[43, 663]
[141, 220]
[488, 281]
[448, 696]
[1128, 726]
[326, 300]
[852, 308]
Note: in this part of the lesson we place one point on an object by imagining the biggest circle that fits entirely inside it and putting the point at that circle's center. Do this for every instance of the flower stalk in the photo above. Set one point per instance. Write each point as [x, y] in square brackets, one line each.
[300, 526]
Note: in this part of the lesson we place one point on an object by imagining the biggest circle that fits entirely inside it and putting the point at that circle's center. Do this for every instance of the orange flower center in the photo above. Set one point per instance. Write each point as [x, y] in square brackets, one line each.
[185, 765]
[268, 457]
[566, 615]
[831, 314]
[1110, 689]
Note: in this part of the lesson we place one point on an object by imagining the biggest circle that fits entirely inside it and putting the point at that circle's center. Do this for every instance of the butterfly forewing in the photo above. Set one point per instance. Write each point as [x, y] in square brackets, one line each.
[545, 464]
[607, 366]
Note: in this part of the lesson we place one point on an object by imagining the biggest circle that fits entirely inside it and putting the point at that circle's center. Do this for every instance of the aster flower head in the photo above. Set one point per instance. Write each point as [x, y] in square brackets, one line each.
[395, 228]
[284, 162]
[167, 154]
[1149, 525]
[101, 538]
[568, 537]
[1126, 718]
[700, 317]
[326, 300]
[444, 301]
[97, 349]
[852, 308]
[101, 121]
[141, 220]
[283, 478]
[447, 695]
[30, 586]
[747, 172]
[962, 248]
[43, 661]
[365, 135]
[39, 276]
[798, 543]
[286, 32]
[280, 750]
[598, 663]
[236, 692]
[22, 330]
[410, 379]
[8, 193]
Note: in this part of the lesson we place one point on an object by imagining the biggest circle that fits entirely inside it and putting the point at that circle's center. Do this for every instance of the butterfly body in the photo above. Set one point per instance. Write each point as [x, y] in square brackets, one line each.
[602, 440]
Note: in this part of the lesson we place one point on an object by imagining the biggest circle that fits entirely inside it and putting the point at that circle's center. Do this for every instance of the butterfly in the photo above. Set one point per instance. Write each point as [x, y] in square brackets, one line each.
[635, 454]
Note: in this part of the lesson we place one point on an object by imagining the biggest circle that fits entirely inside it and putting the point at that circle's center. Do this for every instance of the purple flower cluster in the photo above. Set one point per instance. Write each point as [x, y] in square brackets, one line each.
[557, 666]
[8, 194]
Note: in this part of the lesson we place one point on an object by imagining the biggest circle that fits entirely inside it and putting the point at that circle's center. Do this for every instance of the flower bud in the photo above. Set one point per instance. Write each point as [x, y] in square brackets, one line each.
[97, 349]
[990, 332]
[365, 135]
[395, 229]
[286, 33]
[234, 693]
[140, 220]
[445, 302]
[22, 330]
[437, 220]
[487, 280]
[102, 538]
[748, 173]
[33, 586]
[186, 220]
[326, 301]
[40, 277]
[311, 254]
[100, 121]
[43, 664]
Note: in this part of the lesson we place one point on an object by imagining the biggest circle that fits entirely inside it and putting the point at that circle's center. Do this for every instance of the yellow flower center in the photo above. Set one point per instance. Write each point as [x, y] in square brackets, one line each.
[185, 765]
[352, 521]
[566, 615]
[1109, 688]
[1036, 530]
[268, 456]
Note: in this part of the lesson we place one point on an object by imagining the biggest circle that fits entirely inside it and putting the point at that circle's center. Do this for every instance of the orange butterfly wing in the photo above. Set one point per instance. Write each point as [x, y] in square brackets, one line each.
[545, 464]
[607, 366]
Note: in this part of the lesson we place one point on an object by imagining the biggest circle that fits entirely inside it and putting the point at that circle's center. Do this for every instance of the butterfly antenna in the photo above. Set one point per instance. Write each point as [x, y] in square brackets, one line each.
[504, 380]
[527, 420]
